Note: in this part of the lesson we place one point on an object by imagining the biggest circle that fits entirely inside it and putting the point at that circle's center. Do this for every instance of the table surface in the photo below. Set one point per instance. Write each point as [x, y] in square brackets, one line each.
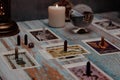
[110, 64]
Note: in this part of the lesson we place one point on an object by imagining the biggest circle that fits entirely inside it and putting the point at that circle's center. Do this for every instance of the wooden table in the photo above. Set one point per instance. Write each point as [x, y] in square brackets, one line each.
[48, 69]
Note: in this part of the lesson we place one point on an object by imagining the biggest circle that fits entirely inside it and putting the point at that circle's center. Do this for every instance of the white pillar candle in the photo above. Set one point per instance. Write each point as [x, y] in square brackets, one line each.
[56, 16]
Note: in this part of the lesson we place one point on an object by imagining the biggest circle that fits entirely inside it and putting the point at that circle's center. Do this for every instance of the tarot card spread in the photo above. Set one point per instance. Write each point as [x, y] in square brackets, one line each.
[108, 47]
[24, 60]
[81, 72]
[44, 34]
[72, 50]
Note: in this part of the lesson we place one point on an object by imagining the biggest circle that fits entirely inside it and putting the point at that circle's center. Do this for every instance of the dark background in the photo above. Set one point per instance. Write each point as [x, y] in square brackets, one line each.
[37, 9]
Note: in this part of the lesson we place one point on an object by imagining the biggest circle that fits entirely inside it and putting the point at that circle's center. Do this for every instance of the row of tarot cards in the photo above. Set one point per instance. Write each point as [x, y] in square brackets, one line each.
[73, 51]
[76, 50]
[46, 35]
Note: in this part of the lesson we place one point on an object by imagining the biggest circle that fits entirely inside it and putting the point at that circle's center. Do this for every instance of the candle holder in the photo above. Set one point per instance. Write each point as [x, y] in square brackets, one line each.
[7, 26]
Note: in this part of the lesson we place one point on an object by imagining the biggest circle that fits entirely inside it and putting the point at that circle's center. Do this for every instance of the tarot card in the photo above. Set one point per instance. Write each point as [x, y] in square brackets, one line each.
[107, 25]
[80, 72]
[108, 47]
[52, 52]
[23, 61]
[44, 35]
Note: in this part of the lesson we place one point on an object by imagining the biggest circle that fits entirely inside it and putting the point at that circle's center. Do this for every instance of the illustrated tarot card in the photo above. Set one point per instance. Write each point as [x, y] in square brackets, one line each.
[24, 60]
[107, 25]
[58, 51]
[108, 47]
[44, 34]
[79, 71]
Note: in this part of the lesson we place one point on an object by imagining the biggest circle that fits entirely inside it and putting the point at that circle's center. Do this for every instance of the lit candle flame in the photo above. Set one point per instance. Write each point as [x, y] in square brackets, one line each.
[57, 5]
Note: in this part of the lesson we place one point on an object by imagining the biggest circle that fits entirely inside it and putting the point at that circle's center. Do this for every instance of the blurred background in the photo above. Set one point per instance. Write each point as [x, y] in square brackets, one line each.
[22, 10]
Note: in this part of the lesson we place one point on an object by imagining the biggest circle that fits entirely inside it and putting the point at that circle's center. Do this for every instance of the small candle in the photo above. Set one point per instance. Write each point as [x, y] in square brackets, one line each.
[65, 45]
[56, 16]
[16, 53]
[25, 39]
[102, 41]
[18, 40]
[88, 69]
